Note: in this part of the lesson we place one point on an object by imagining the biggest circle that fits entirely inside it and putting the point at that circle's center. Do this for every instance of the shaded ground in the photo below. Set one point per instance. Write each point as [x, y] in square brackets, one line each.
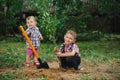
[92, 71]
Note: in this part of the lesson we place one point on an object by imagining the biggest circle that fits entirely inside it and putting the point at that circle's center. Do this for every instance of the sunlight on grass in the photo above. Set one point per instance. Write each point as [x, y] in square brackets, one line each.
[102, 50]
[12, 54]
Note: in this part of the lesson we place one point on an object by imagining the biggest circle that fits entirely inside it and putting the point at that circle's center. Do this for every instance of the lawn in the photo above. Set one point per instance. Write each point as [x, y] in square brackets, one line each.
[101, 59]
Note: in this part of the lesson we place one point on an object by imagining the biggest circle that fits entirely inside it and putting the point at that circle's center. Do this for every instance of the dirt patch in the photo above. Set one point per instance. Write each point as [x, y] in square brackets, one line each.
[92, 71]
[54, 73]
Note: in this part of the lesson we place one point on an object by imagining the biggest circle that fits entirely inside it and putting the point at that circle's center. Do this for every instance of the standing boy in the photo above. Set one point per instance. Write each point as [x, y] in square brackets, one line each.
[35, 37]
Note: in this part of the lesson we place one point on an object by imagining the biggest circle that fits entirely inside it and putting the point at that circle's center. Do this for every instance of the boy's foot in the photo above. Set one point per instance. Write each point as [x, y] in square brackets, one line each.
[81, 70]
[27, 64]
[36, 63]
[84, 70]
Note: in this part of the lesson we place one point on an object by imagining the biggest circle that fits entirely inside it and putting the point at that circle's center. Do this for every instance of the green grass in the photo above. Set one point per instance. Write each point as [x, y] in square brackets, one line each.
[12, 54]
[100, 50]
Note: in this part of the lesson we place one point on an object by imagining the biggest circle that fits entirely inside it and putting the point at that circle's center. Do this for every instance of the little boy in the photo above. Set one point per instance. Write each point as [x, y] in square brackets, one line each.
[69, 52]
[35, 36]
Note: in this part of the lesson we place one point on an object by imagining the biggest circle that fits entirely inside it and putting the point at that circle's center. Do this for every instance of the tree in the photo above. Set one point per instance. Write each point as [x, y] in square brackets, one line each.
[9, 10]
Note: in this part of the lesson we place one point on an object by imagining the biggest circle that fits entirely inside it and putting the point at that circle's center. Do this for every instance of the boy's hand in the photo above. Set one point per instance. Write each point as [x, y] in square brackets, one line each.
[56, 49]
[41, 38]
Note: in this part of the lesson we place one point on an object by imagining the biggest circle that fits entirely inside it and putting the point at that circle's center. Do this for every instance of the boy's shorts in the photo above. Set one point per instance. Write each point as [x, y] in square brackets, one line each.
[30, 52]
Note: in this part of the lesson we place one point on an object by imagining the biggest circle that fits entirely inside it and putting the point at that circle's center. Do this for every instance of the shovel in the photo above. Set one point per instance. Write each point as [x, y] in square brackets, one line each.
[41, 64]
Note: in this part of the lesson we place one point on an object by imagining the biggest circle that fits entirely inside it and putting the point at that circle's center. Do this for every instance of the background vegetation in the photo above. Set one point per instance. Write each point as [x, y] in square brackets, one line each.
[91, 19]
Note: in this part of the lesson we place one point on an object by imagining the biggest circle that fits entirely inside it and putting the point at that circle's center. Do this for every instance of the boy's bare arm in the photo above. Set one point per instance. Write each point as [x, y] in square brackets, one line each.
[59, 54]
[41, 38]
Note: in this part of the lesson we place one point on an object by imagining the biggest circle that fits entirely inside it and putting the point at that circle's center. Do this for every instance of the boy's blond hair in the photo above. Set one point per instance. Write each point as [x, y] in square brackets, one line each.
[73, 33]
[31, 17]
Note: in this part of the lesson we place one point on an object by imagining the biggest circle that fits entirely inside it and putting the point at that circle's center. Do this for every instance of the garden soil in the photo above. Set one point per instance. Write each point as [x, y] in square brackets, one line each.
[91, 71]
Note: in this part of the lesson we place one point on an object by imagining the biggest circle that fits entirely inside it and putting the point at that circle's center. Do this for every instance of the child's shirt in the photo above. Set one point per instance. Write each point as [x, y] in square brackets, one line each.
[34, 35]
[70, 48]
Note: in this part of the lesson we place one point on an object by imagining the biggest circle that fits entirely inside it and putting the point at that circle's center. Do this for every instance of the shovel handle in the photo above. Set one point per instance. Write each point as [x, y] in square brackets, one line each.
[29, 41]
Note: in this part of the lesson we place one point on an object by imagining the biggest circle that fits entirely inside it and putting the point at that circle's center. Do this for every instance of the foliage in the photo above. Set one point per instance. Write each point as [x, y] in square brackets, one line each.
[91, 36]
[72, 15]
[47, 22]
[8, 17]
[111, 8]
[55, 17]
[104, 14]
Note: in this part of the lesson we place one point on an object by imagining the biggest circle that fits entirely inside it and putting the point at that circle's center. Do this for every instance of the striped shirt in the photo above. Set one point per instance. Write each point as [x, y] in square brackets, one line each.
[34, 35]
